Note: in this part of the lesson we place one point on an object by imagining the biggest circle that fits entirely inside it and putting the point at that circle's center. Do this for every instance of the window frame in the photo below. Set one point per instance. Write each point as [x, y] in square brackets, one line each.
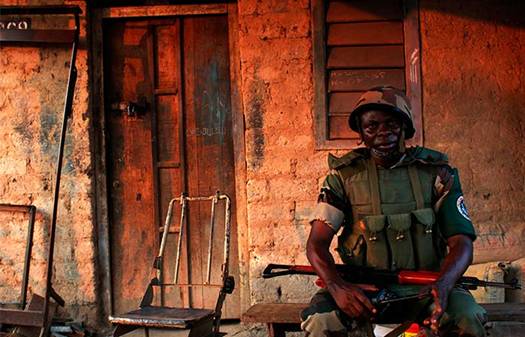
[412, 51]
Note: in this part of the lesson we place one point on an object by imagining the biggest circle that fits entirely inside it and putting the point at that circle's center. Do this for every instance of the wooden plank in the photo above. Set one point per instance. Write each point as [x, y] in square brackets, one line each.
[21, 317]
[38, 36]
[343, 101]
[369, 33]
[505, 311]
[366, 57]
[131, 180]
[168, 164]
[195, 264]
[167, 91]
[152, 71]
[167, 10]
[166, 61]
[166, 53]
[242, 282]
[100, 162]
[290, 312]
[16, 208]
[364, 79]
[37, 303]
[169, 180]
[338, 128]
[364, 10]
[209, 146]
[274, 313]
[182, 293]
[168, 127]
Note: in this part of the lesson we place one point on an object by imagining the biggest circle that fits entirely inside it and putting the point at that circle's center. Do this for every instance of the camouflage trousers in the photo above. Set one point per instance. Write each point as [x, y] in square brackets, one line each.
[463, 317]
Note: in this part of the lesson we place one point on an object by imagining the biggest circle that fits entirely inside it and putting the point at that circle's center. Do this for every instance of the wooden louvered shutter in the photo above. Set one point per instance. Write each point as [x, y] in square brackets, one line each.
[359, 44]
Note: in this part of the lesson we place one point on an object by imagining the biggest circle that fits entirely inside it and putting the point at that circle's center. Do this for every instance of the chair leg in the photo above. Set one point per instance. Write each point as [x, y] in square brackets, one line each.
[204, 328]
[275, 330]
[123, 329]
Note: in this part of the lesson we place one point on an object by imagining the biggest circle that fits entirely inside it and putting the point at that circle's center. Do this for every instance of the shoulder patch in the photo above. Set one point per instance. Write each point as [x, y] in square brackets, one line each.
[428, 156]
[462, 209]
[335, 163]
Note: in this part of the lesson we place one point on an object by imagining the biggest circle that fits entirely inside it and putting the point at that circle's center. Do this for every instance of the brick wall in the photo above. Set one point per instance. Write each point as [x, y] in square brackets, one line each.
[32, 86]
[474, 109]
[282, 167]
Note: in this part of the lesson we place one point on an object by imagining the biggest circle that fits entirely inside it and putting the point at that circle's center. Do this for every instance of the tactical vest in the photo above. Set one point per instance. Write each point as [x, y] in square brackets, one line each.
[394, 225]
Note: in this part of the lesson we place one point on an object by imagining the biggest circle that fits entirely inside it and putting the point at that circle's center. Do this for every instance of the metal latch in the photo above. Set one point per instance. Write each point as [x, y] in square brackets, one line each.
[131, 109]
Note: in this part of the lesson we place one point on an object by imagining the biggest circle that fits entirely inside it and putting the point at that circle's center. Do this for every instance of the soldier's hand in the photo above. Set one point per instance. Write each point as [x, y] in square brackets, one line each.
[439, 291]
[352, 300]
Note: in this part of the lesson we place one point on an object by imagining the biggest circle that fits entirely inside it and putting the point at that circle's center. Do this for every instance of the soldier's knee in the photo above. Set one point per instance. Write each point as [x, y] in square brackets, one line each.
[471, 324]
[466, 315]
[324, 324]
[467, 322]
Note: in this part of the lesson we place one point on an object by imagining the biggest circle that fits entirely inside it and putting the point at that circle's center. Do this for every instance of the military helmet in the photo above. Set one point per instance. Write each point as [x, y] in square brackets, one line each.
[385, 98]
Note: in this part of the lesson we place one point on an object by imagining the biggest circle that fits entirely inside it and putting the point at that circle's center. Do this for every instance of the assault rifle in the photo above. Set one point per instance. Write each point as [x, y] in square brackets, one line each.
[382, 278]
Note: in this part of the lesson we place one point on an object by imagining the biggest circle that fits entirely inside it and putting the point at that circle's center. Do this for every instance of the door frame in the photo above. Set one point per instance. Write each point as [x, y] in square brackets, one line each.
[99, 138]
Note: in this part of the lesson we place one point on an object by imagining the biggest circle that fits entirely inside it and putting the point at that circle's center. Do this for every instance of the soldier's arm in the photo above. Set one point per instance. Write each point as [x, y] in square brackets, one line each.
[456, 262]
[348, 297]
[456, 227]
[326, 221]
[318, 253]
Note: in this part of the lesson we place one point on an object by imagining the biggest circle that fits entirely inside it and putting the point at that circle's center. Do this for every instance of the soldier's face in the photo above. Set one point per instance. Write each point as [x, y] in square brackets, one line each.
[381, 130]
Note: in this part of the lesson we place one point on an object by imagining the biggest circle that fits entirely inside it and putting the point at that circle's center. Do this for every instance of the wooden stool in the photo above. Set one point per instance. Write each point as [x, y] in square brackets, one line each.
[283, 317]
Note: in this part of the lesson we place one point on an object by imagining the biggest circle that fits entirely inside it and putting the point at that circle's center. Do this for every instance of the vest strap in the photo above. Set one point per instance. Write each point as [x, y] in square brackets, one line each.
[416, 186]
[374, 187]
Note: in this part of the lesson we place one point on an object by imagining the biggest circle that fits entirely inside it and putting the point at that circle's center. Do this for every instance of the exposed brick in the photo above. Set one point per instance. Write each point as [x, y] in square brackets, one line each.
[271, 6]
[290, 24]
[33, 87]
[473, 109]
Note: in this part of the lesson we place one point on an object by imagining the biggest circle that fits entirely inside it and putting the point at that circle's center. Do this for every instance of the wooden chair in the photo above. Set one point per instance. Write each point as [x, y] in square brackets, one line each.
[200, 322]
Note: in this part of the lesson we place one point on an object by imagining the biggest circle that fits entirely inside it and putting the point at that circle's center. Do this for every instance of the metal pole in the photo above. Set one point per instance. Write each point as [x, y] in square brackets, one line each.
[159, 261]
[27, 260]
[67, 113]
[210, 240]
[225, 265]
[183, 201]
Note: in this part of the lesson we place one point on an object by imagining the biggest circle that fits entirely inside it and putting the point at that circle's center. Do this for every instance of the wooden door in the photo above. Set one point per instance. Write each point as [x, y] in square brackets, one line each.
[169, 122]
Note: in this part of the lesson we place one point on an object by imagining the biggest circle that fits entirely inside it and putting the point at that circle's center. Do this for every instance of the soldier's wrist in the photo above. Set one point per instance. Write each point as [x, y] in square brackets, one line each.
[333, 285]
[446, 283]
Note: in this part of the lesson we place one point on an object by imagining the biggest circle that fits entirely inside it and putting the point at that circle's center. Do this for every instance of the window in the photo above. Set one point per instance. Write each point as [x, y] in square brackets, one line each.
[359, 44]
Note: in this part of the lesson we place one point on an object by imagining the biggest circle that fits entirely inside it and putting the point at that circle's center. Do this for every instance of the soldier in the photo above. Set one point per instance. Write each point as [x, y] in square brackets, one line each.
[395, 208]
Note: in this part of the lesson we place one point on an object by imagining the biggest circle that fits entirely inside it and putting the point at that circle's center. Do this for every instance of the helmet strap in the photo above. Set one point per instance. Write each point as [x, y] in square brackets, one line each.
[402, 147]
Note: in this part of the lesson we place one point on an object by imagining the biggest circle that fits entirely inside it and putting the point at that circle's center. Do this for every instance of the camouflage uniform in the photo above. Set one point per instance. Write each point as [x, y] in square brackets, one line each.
[393, 218]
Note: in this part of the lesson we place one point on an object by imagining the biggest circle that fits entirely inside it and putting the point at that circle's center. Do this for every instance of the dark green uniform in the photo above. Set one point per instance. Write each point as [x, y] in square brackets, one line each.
[394, 218]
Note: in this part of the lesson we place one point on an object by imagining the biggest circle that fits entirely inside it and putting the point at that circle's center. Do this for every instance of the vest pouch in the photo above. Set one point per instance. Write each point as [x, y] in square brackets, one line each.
[400, 240]
[423, 233]
[376, 245]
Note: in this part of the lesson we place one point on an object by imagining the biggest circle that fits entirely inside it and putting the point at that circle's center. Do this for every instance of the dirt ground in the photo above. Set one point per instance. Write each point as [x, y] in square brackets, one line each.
[236, 329]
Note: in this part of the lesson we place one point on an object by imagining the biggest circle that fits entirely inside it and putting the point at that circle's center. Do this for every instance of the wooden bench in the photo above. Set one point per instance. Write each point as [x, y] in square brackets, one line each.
[283, 317]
